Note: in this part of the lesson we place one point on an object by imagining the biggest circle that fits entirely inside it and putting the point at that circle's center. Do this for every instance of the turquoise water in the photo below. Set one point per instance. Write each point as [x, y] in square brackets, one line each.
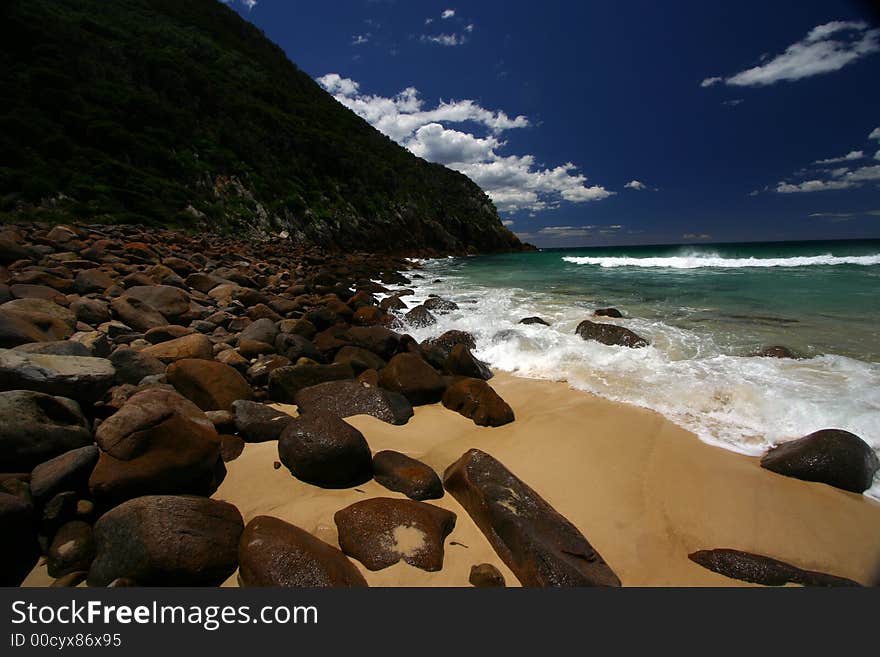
[705, 309]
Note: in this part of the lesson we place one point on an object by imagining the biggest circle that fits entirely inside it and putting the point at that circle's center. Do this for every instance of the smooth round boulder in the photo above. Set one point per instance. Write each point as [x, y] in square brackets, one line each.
[259, 423]
[133, 366]
[167, 540]
[82, 378]
[195, 345]
[610, 334]
[326, 451]
[67, 472]
[355, 397]
[37, 427]
[830, 456]
[212, 386]
[275, 553]
[413, 378]
[485, 575]
[461, 362]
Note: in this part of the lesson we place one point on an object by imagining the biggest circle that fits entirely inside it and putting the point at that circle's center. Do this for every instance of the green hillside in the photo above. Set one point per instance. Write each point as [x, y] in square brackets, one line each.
[180, 113]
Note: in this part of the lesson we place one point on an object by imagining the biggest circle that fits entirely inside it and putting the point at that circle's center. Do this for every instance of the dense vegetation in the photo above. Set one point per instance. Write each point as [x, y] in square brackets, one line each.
[180, 113]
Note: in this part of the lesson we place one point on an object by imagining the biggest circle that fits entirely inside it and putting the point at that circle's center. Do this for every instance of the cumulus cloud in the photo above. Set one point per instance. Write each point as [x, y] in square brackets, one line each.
[825, 49]
[447, 13]
[359, 39]
[507, 222]
[513, 182]
[875, 134]
[852, 155]
[636, 185]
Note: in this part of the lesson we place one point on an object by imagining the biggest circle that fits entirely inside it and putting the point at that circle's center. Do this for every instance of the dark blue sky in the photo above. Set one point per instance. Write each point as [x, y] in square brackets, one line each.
[624, 91]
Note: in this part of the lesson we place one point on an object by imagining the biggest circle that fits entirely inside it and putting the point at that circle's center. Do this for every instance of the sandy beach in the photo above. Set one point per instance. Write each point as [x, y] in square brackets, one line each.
[643, 491]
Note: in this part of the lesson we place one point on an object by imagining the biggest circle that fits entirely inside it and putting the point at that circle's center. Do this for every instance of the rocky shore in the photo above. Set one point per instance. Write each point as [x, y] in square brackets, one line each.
[146, 377]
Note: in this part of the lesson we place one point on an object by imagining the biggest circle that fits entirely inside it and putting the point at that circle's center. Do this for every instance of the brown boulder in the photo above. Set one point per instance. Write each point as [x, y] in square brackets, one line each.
[404, 474]
[537, 543]
[167, 540]
[461, 362]
[324, 450]
[475, 399]
[286, 382]
[412, 377]
[137, 314]
[168, 300]
[212, 386]
[157, 443]
[758, 569]
[381, 531]
[608, 312]
[610, 334]
[275, 553]
[259, 423]
[830, 456]
[195, 345]
[347, 398]
[72, 549]
[485, 575]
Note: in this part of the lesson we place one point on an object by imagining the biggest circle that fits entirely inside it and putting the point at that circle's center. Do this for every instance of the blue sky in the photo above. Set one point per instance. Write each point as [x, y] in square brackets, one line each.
[618, 122]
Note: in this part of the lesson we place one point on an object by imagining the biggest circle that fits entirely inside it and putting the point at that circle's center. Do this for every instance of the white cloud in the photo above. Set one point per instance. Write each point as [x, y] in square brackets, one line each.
[733, 102]
[447, 13]
[469, 27]
[845, 216]
[636, 185]
[444, 39]
[877, 155]
[875, 134]
[696, 236]
[826, 48]
[359, 39]
[513, 182]
[248, 4]
[428, 21]
[852, 155]
[812, 186]
[507, 222]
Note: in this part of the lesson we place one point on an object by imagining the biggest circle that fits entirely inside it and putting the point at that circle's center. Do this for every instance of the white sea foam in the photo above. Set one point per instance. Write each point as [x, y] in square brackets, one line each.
[697, 261]
[740, 403]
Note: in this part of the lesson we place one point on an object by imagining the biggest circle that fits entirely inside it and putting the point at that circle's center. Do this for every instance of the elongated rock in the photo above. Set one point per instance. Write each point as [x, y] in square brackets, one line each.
[275, 553]
[759, 569]
[537, 543]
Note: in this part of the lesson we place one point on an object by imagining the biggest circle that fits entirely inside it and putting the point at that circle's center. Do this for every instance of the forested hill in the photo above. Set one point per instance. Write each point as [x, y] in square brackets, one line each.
[180, 113]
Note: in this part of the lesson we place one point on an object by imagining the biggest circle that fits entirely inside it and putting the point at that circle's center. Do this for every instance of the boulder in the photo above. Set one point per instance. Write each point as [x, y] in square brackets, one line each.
[88, 281]
[38, 308]
[347, 398]
[359, 359]
[758, 569]
[170, 301]
[409, 375]
[133, 366]
[776, 351]
[38, 292]
[537, 543]
[420, 317]
[294, 346]
[380, 340]
[212, 386]
[157, 443]
[275, 553]
[404, 474]
[167, 540]
[258, 373]
[259, 423]
[72, 549]
[532, 320]
[285, 382]
[262, 330]
[608, 312]
[326, 451]
[37, 427]
[461, 362]
[137, 314]
[437, 350]
[66, 472]
[381, 531]
[56, 348]
[195, 345]
[166, 333]
[475, 399]
[440, 305]
[485, 575]
[91, 311]
[19, 549]
[19, 328]
[610, 334]
[231, 447]
[85, 379]
[830, 456]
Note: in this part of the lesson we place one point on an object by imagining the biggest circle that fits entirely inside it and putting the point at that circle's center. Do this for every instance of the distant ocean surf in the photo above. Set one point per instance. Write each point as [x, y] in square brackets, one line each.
[706, 310]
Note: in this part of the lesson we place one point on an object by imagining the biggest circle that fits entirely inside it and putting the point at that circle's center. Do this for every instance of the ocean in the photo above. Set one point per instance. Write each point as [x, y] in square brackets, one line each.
[706, 309]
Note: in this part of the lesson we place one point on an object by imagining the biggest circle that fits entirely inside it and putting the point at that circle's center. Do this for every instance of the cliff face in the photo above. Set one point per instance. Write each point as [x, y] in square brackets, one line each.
[182, 114]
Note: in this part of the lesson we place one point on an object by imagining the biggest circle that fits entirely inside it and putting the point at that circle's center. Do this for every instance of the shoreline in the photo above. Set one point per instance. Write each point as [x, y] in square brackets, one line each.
[644, 492]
